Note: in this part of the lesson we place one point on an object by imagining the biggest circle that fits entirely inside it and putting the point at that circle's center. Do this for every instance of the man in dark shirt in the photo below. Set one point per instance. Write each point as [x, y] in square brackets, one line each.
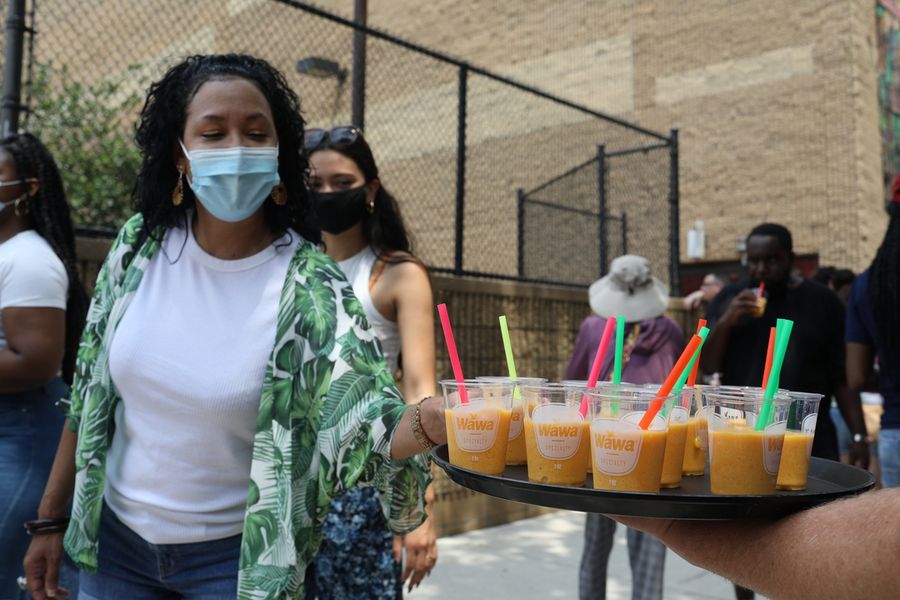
[814, 361]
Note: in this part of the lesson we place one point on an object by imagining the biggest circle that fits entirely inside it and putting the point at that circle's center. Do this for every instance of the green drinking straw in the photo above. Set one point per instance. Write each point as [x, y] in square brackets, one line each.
[782, 336]
[620, 347]
[682, 379]
[510, 361]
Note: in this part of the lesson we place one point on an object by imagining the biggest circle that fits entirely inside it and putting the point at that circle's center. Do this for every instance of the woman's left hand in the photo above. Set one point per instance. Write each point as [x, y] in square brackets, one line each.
[420, 546]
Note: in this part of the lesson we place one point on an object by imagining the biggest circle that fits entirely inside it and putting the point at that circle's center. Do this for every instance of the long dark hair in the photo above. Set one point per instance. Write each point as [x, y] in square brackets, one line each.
[884, 281]
[383, 227]
[51, 219]
[161, 126]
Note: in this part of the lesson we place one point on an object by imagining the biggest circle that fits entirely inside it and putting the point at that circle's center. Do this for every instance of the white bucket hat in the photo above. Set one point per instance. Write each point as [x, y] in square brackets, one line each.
[629, 290]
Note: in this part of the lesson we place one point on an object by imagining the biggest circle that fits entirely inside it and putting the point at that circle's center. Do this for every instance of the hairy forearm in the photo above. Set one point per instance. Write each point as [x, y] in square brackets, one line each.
[18, 374]
[846, 549]
[61, 483]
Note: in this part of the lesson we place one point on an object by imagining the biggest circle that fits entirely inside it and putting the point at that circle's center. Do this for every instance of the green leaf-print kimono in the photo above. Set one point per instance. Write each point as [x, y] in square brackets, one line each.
[328, 410]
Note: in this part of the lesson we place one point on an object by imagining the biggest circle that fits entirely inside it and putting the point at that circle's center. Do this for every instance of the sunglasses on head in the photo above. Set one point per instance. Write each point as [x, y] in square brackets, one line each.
[346, 134]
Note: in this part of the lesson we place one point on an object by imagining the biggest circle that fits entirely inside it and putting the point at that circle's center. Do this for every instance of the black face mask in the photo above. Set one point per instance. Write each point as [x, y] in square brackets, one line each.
[336, 212]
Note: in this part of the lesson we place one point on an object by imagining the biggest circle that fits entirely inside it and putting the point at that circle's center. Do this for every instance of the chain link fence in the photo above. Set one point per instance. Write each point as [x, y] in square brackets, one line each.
[454, 142]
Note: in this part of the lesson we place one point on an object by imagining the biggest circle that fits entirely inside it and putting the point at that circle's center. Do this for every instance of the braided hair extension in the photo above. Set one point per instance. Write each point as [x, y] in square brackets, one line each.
[161, 126]
[51, 219]
[884, 281]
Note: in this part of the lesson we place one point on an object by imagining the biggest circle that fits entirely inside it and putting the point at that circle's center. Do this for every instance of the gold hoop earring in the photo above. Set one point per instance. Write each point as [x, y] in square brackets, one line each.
[178, 194]
[279, 194]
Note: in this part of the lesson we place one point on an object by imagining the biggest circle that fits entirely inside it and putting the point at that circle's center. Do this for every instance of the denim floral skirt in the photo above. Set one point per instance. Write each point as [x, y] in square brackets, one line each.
[355, 560]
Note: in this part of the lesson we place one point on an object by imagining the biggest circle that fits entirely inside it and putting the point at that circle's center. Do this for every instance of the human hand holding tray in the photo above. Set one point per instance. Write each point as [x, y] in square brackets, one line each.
[828, 480]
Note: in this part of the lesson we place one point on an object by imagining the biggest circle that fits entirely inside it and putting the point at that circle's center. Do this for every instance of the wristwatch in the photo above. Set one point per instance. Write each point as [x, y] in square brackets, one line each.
[860, 437]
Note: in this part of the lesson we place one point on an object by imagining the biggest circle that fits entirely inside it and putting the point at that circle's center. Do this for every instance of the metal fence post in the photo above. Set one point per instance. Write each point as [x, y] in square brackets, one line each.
[12, 68]
[520, 216]
[624, 232]
[358, 108]
[460, 169]
[674, 228]
[601, 196]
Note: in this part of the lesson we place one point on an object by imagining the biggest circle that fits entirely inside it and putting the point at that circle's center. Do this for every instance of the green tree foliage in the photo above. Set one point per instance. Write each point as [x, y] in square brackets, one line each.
[89, 129]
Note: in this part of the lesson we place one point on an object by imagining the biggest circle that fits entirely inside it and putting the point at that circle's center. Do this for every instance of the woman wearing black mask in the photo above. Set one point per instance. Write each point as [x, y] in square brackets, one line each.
[363, 231]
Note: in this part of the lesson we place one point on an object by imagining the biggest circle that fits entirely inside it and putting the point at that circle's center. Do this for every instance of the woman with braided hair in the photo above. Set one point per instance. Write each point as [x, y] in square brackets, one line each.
[873, 330]
[42, 308]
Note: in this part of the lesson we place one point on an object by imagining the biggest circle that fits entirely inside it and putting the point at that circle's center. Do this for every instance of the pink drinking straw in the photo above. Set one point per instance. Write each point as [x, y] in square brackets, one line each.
[761, 289]
[451, 350]
[598, 362]
[670, 381]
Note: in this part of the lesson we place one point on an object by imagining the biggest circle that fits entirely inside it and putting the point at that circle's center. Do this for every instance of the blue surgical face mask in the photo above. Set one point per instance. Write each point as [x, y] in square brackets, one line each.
[232, 183]
[5, 205]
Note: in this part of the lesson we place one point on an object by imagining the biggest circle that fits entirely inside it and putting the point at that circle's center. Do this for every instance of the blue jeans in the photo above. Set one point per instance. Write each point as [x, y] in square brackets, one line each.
[130, 567]
[30, 427]
[889, 457]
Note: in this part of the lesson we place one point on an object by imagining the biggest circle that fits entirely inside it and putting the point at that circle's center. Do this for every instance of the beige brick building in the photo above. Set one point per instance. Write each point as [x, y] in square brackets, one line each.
[775, 101]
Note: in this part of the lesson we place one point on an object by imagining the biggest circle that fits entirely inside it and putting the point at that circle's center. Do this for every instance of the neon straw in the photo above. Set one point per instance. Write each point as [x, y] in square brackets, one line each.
[672, 378]
[620, 345]
[770, 351]
[782, 336]
[451, 350]
[761, 289]
[510, 361]
[679, 385]
[692, 378]
[594, 375]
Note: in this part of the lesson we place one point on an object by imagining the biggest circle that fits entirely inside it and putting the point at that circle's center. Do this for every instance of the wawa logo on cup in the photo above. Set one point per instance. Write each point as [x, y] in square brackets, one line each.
[773, 440]
[616, 443]
[809, 424]
[475, 427]
[516, 422]
[557, 429]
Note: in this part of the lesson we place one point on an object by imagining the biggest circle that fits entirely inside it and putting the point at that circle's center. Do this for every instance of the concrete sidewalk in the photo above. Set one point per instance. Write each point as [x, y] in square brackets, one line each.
[539, 558]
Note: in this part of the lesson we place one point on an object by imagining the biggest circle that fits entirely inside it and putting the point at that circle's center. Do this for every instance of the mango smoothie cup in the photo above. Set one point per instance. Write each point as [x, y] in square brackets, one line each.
[793, 470]
[581, 384]
[696, 439]
[743, 461]
[625, 457]
[679, 412]
[554, 434]
[478, 430]
[515, 449]
[761, 302]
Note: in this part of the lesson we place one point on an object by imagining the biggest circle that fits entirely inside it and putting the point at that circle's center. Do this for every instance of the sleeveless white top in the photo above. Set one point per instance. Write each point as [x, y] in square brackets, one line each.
[358, 270]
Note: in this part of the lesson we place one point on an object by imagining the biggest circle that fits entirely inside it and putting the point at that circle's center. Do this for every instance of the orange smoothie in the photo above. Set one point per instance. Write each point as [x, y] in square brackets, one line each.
[743, 461]
[556, 452]
[515, 449]
[694, 462]
[477, 436]
[586, 443]
[794, 467]
[674, 456]
[626, 460]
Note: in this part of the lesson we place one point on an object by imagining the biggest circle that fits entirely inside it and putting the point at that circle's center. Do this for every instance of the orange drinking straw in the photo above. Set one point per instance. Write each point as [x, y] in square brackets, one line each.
[594, 375]
[770, 351]
[451, 350]
[692, 378]
[669, 383]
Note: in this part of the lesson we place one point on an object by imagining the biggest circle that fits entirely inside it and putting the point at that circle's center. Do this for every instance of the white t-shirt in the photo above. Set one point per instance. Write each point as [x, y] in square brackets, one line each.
[31, 275]
[188, 359]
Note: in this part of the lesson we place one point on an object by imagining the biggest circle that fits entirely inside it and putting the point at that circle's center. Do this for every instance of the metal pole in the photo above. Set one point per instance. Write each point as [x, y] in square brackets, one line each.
[624, 232]
[674, 228]
[601, 190]
[360, 16]
[460, 168]
[11, 103]
[520, 194]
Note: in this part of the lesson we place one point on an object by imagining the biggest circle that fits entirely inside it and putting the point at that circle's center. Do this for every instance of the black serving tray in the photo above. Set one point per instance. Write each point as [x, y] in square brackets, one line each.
[828, 480]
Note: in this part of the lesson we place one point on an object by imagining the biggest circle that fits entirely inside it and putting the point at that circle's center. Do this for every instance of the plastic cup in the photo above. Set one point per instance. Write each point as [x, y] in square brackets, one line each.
[478, 431]
[554, 434]
[515, 449]
[798, 441]
[625, 457]
[679, 412]
[743, 461]
[696, 438]
[761, 302]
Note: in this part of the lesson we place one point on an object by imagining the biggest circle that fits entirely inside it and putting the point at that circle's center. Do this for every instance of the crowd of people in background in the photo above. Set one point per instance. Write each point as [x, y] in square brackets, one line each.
[267, 279]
